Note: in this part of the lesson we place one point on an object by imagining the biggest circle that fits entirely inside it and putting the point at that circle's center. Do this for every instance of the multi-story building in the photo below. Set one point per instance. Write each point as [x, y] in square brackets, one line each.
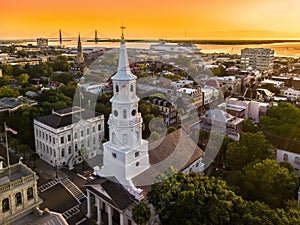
[253, 109]
[292, 94]
[92, 87]
[18, 192]
[167, 110]
[221, 121]
[61, 136]
[19, 200]
[257, 58]
[210, 94]
[42, 42]
[230, 84]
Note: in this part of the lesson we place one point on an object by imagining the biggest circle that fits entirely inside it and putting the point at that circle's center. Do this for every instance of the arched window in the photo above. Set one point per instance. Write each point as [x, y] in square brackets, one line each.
[117, 89]
[124, 114]
[29, 193]
[297, 161]
[285, 157]
[18, 198]
[113, 137]
[125, 138]
[5, 205]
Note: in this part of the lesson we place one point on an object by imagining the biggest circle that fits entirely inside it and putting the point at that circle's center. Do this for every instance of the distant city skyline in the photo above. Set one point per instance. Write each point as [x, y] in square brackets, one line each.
[176, 19]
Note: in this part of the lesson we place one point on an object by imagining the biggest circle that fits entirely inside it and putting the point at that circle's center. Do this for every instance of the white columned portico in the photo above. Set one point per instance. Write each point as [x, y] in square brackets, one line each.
[89, 214]
[109, 212]
[99, 219]
[122, 222]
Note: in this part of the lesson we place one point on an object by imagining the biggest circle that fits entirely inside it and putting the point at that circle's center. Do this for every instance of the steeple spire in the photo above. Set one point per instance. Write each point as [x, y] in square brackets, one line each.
[123, 71]
[79, 58]
[79, 47]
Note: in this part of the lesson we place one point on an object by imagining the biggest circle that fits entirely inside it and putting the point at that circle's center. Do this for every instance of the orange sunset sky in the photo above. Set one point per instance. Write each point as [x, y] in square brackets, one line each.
[190, 19]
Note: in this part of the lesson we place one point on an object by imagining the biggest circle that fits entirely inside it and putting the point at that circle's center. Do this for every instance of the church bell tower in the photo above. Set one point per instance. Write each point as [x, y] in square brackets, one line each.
[126, 153]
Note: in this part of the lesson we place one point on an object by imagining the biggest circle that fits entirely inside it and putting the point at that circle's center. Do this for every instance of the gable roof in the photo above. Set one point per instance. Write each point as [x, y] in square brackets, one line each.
[175, 149]
[118, 195]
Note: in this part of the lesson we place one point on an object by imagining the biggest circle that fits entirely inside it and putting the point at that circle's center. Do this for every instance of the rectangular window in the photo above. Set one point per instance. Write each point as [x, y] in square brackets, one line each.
[63, 152]
[69, 150]
[94, 140]
[94, 129]
[50, 138]
[62, 140]
[99, 127]
[69, 137]
[81, 133]
[136, 154]
[75, 135]
[87, 131]
[53, 140]
[114, 155]
[29, 193]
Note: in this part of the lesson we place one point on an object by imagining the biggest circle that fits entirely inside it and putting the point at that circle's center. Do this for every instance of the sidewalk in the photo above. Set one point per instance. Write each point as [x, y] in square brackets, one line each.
[46, 172]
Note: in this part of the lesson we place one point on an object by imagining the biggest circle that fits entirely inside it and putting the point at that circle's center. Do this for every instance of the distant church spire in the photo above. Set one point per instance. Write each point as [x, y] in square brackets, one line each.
[79, 57]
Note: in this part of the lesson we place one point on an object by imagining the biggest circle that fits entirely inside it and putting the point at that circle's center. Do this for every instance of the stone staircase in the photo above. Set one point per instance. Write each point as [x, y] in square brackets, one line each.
[48, 185]
[73, 189]
[71, 212]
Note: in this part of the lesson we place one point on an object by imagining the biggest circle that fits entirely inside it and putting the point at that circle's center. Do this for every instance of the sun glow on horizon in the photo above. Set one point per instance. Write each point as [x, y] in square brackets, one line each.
[193, 19]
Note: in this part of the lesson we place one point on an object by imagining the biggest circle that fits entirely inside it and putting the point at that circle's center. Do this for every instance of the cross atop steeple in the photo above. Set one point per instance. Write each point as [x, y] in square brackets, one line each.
[122, 27]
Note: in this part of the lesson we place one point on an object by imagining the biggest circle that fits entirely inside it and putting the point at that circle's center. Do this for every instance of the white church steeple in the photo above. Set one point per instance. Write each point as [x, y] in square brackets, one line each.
[126, 153]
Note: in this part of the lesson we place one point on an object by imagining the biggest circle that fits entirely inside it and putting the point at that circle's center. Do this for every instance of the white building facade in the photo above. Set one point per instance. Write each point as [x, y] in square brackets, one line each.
[61, 136]
[257, 58]
[292, 94]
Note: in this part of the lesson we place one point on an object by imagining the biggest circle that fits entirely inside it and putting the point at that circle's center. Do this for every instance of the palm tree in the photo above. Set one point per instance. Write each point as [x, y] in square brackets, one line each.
[83, 152]
[141, 213]
[23, 149]
[14, 143]
[34, 157]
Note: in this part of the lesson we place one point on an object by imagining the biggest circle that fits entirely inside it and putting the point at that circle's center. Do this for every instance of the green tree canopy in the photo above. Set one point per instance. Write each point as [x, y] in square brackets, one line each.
[8, 92]
[195, 199]
[189, 199]
[268, 182]
[141, 213]
[22, 79]
[250, 147]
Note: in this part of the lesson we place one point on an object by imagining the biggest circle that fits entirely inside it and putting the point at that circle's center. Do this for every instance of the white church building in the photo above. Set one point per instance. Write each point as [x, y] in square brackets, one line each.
[130, 163]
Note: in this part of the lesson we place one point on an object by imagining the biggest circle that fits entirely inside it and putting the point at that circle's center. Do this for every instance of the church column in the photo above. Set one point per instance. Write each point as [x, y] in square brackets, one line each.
[99, 219]
[88, 204]
[109, 211]
[122, 222]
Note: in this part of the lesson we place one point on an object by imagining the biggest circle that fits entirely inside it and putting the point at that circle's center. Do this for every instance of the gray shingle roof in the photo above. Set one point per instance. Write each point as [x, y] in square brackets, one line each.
[65, 117]
[120, 197]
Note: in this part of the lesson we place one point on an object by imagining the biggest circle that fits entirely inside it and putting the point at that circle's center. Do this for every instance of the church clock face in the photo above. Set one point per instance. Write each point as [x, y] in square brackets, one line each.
[116, 113]
[133, 112]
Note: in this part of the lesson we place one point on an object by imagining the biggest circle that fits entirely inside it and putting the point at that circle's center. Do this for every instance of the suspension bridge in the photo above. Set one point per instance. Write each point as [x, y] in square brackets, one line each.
[62, 36]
